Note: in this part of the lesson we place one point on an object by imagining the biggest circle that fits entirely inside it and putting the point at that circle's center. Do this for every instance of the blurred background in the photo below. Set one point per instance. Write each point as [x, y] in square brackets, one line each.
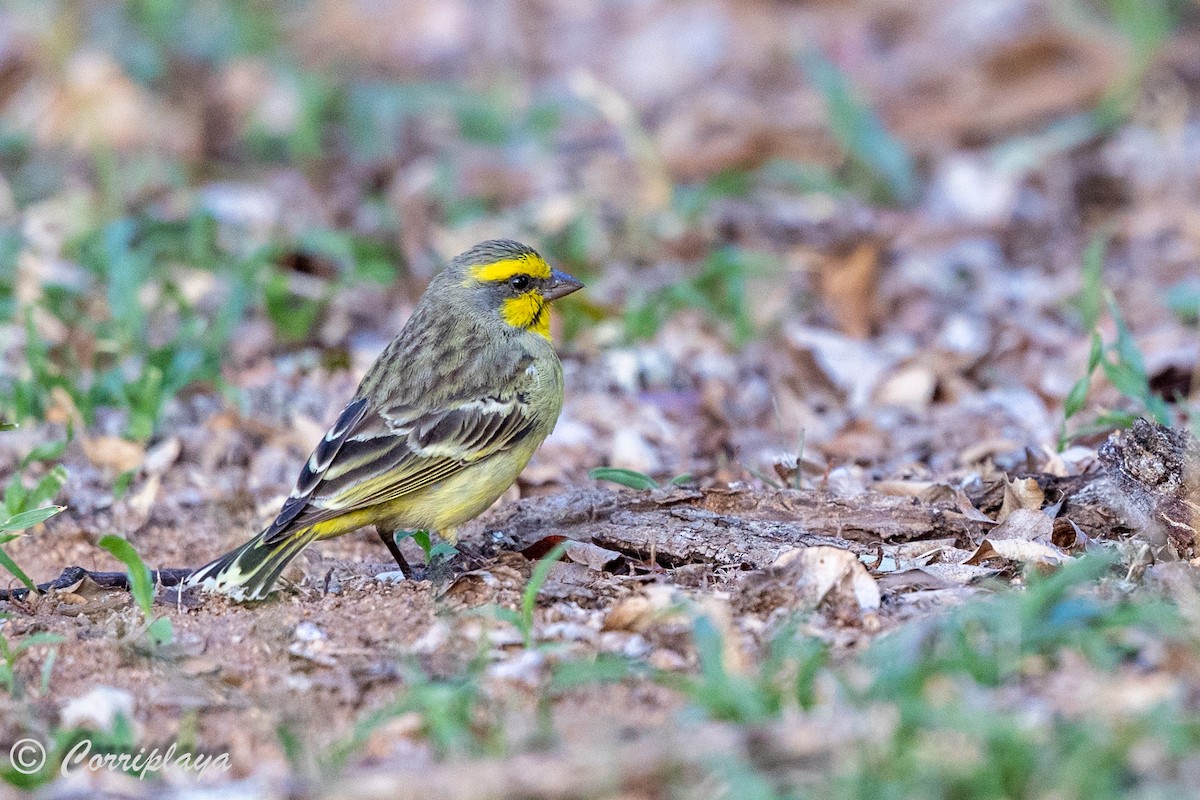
[786, 212]
[877, 246]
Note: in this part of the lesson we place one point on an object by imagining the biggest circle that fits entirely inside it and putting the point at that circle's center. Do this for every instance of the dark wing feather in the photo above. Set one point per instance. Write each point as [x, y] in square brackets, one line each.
[318, 462]
[379, 458]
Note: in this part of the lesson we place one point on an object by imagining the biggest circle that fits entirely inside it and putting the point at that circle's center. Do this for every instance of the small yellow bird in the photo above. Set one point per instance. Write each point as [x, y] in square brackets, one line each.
[441, 425]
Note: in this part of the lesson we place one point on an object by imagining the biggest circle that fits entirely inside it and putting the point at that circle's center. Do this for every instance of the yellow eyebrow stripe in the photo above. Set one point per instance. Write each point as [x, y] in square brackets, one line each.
[503, 270]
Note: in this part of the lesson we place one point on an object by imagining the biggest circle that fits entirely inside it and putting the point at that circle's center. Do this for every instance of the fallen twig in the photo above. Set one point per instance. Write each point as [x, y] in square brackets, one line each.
[108, 580]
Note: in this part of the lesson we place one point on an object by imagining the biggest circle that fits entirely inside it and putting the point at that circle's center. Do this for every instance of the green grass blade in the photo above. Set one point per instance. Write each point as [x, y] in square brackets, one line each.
[140, 583]
[860, 131]
[27, 519]
[625, 477]
[541, 571]
[18, 573]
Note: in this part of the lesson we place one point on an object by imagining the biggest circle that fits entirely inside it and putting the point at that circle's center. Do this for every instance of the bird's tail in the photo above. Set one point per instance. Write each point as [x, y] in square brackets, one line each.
[249, 572]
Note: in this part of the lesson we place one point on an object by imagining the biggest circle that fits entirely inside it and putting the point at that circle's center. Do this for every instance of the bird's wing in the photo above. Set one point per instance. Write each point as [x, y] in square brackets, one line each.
[370, 457]
[318, 462]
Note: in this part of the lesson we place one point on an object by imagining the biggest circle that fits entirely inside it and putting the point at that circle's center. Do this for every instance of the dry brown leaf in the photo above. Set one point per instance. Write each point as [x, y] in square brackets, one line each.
[968, 509]
[1020, 493]
[829, 573]
[637, 612]
[1024, 524]
[854, 367]
[593, 556]
[62, 409]
[920, 550]
[567, 580]
[631, 614]
[98, 106]
[142, 501]
[113, 452]
[848, 285]
[501, 583]
[1024, 77]
[1067, 535]
[940, 492]
[1019, 550]
[910, 580]
[988, 448]
[470, 583]
[960, 574]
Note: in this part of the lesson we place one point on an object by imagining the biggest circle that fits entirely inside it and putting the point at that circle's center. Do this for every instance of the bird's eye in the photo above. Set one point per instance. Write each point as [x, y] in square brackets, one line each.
[519, 282]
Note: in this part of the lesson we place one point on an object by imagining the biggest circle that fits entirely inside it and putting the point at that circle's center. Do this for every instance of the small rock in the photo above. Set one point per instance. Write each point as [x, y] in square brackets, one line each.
[910, 387]
[963, 334]
[568, 632]
[308, 632]
[667, 661]
[630, 645]
[297, 682]
[98, 709]
[623, 367]
[505, 636]
[630, 450]
[525, 669]
[160, 457]
[431, 640]
[846, 481]
[971, 189]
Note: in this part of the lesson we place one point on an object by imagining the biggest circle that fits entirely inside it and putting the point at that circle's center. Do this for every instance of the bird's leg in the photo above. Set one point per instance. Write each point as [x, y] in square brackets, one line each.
[389, 541]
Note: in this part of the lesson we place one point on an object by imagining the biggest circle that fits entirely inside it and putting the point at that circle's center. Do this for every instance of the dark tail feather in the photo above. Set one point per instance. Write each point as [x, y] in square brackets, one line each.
[249, 572]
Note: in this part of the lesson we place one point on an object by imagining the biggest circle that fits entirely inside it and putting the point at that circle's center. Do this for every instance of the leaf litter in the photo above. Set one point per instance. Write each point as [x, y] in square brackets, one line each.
[873, 436]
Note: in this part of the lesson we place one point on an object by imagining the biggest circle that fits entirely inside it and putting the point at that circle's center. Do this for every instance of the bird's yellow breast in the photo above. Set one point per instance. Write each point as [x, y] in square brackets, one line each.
[444, 505]
[462, 497]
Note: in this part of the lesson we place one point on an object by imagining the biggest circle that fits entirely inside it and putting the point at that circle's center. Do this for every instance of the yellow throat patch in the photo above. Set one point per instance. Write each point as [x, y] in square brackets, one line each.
[529, 311]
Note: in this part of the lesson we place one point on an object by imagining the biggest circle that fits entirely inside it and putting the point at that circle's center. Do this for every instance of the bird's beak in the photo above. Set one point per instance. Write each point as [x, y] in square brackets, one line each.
[561, 284]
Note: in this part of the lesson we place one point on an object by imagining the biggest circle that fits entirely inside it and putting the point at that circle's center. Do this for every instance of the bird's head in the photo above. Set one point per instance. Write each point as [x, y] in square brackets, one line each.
[510, 280]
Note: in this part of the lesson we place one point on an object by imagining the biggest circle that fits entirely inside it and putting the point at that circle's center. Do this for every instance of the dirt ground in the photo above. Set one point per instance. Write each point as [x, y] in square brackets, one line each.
[864, 410]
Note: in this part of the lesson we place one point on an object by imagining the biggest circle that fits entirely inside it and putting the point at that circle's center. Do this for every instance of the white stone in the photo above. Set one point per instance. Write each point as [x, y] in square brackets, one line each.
[98, 709]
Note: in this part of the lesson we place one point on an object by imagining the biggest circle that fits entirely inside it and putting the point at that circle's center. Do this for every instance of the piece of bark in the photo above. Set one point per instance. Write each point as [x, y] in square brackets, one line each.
[729, 527]
[1155, 471]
